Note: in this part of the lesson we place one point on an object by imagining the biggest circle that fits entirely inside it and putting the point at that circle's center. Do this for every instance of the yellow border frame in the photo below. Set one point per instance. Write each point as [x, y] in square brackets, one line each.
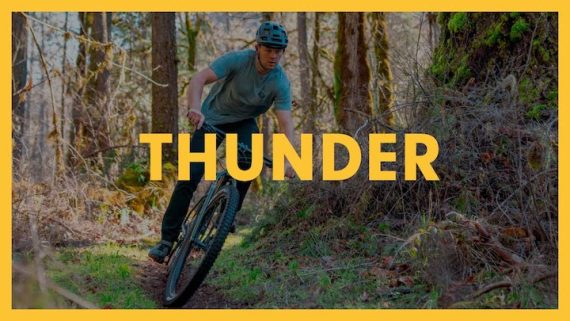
[6, 311]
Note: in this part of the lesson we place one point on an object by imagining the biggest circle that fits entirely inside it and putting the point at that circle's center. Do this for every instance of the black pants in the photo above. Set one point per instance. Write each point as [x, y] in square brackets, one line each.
[183, 191]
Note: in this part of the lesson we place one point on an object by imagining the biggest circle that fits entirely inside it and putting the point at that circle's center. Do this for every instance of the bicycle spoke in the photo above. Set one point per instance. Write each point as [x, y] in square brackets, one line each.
[200, 245]
[198, 251]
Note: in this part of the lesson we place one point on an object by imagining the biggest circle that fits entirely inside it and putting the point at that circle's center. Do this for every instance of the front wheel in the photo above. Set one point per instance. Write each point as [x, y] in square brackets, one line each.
[197, 253]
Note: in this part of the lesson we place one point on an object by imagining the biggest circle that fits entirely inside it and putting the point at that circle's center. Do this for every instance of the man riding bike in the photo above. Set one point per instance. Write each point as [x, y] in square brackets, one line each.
[248, 82]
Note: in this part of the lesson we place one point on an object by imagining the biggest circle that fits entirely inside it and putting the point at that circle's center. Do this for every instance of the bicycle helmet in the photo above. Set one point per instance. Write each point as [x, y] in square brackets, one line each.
[272, 34]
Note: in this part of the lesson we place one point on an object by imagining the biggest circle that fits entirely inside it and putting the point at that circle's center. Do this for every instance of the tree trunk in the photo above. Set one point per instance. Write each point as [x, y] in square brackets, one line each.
[145, 25]
[76, 136]
[19, 80]
[351, 74]
[165, 71]
[315, 70]
[62, 122]
[191, 37]
[433, 29]
[98, 89]
[263, 121]
[305, 73]
[39, 146]
[383, 74]
[227, 22]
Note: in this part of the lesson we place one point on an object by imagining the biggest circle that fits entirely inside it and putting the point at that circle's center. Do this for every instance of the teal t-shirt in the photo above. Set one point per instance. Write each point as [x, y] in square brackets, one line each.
[241, 92]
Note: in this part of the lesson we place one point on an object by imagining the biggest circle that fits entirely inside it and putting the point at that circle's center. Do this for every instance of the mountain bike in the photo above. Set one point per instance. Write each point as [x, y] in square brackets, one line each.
[203, 233]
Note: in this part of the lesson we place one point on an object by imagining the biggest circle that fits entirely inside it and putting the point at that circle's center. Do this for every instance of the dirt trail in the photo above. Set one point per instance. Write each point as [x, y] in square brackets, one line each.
[152, 278]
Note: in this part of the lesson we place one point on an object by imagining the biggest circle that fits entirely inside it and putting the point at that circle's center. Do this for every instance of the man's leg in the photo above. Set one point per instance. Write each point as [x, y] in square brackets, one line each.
[183, 191]
[179, 202]
[244, 129]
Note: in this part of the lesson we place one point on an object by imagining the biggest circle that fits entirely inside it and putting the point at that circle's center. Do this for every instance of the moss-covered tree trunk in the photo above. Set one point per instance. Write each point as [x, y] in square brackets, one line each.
[62, 123]
[305, 73]
[478, 48]
[383, 80]
[315, 70]
[77, 110]
[433, 30]
[19, 80]
[165, 71]
[98, 87]
[192, 37]
[351, 73]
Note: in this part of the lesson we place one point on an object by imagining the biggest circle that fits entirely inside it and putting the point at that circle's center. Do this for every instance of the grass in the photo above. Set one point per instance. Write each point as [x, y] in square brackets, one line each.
[310, 276]
[104, 275]
[287, 270]
[308, 270]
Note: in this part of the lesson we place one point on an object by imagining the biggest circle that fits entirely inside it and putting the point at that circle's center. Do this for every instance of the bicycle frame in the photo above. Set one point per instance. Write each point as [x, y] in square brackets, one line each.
[222, 178]
[204, 228]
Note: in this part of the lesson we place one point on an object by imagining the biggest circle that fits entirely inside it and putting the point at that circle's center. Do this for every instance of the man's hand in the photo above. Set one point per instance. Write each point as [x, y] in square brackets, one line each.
[196, 118]
[204, 77]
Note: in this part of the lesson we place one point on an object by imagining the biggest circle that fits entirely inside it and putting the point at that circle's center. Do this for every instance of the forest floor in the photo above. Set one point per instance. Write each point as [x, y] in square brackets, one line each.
[152, 278]
[341, 263]
[118, 276]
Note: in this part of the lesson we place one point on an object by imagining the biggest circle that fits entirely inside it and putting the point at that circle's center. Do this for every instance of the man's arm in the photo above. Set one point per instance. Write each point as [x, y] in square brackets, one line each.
[195, 90]
[285, 123]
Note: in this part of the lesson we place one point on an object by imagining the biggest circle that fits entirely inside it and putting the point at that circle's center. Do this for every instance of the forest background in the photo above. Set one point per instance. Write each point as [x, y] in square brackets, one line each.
[484, 84]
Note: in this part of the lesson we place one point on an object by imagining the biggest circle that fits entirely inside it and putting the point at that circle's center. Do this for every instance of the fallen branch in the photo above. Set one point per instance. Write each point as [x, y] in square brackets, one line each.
[487, 238]
[491, 287]
[507, 284]
[545, 277]
[504, 253]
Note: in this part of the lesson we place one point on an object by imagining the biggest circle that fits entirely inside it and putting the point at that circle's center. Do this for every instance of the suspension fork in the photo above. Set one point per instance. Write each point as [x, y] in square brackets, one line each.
[222, 178]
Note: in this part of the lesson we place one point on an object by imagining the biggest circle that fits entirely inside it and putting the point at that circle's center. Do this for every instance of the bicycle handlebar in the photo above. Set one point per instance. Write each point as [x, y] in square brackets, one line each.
[244, 149]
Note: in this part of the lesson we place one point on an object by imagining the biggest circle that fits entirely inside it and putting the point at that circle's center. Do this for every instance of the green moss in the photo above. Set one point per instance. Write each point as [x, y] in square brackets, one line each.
[535, 111]
[442, 17]
[528, 91]
[457, 22]
[169, 171]
[519, 27]
[494, 34]
[544, 54]
[514, 15]
[552, 97]
[439, 67]
[462, 72]
[135, 175]
[444, 63]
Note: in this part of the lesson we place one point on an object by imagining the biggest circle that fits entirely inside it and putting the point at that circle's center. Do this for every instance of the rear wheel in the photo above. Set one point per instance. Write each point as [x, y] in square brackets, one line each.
[195, 255]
